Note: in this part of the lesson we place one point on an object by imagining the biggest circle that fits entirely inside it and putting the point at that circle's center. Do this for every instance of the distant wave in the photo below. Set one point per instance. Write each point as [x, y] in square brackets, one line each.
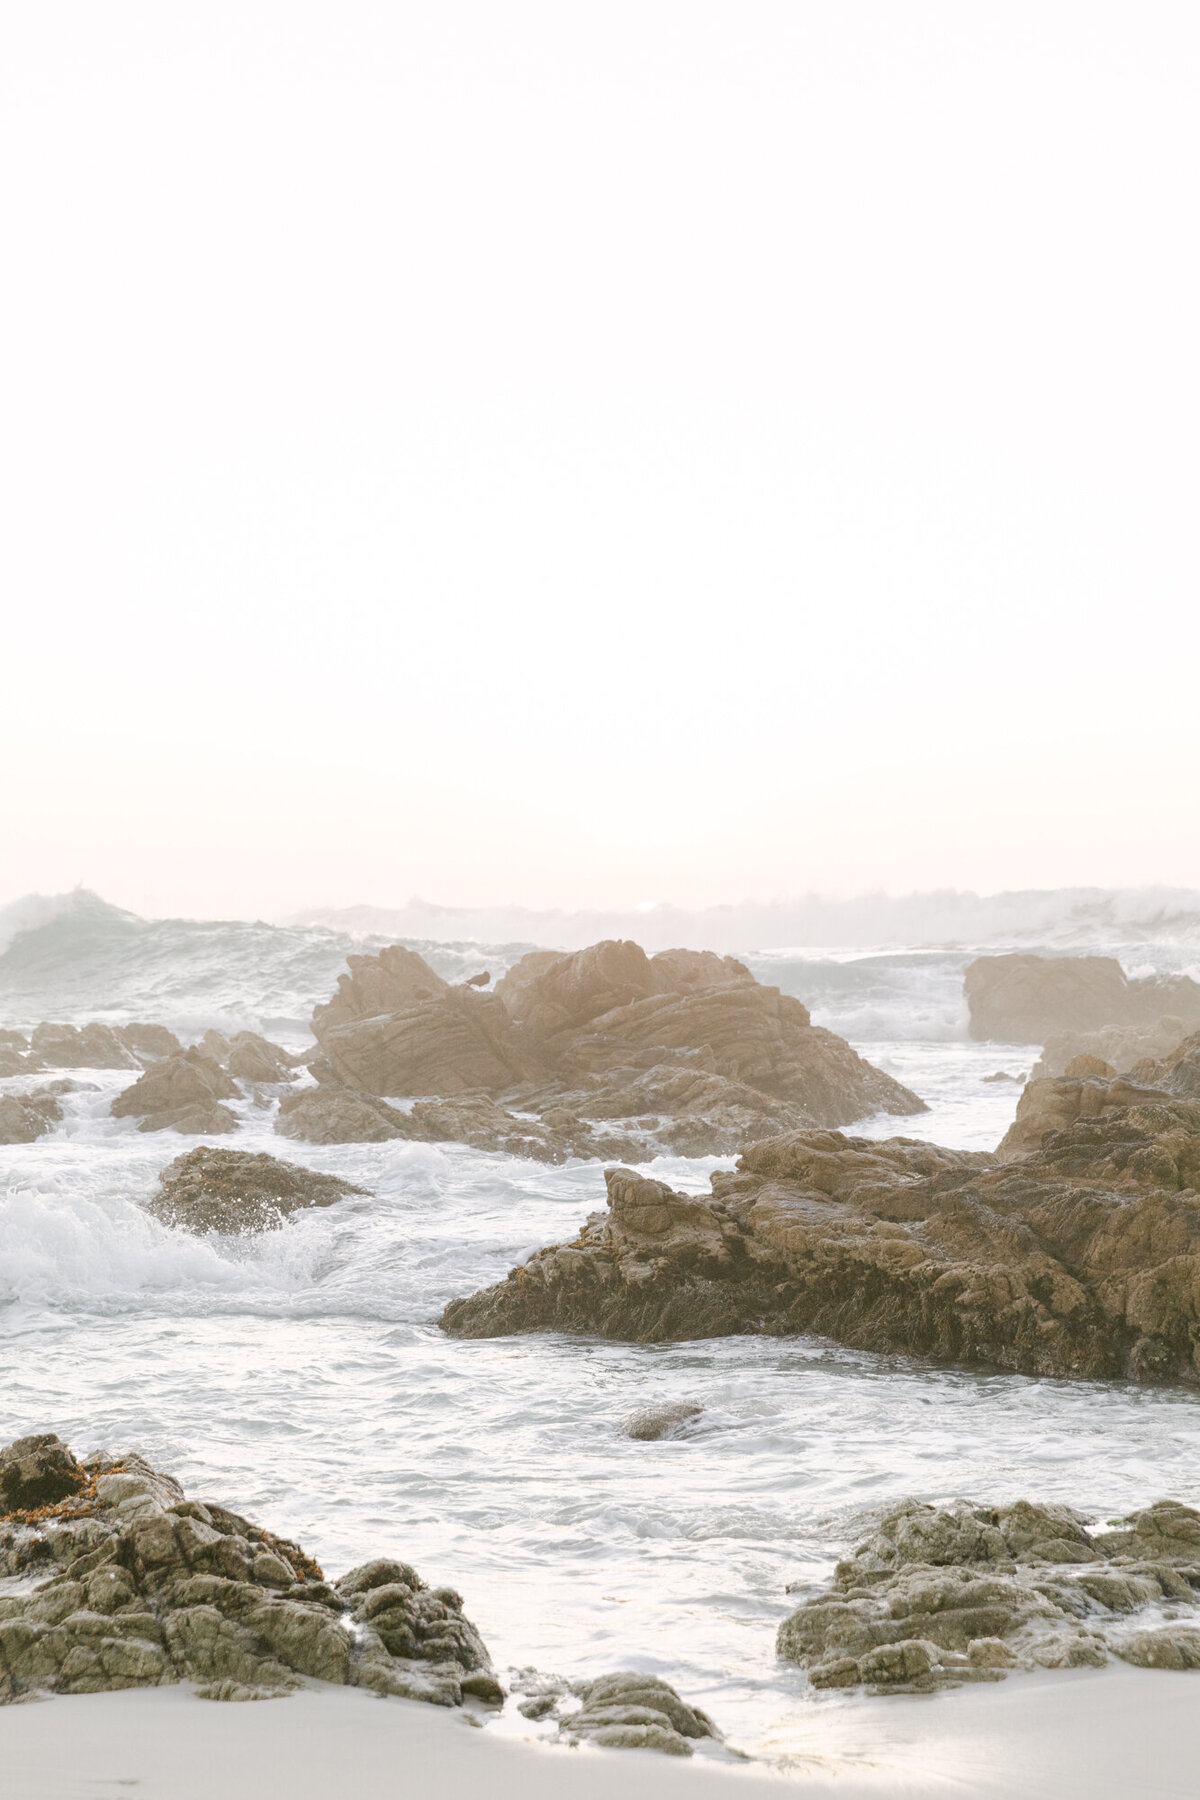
[1061, 918]
[74, 956]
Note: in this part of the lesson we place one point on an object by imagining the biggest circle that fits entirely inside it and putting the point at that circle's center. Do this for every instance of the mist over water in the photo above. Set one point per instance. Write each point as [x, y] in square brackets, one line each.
[299, 1375]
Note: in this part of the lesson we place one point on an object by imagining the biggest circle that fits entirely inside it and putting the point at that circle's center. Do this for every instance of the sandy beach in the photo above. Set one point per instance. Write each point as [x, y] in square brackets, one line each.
[1117, 1734]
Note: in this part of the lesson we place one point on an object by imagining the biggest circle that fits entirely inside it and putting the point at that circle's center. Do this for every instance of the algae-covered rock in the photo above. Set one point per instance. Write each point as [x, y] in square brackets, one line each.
[937, 1596]
[208, 1189]
[129, 1584]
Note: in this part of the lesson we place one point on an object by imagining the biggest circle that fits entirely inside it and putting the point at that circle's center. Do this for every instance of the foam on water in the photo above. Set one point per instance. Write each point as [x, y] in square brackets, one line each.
[300, 1376]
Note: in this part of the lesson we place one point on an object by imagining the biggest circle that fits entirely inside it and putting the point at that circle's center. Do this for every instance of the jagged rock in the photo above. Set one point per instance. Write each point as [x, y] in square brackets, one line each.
[181, 1093]
[631, 1711]
[248, 1056]
[1052, 1106]
[13, 1040]
[391, 982]
[37, 1471]
[685, 1048]
[1178, 1072]
[233, 1191]
[485, 1126]
[93, 1046]
[332, 1114]
[1079, 1256]
[24, 1117]
[127, 1584]
[149, 1043]
[1029, 999]
[653, 1422]
[939, 1596]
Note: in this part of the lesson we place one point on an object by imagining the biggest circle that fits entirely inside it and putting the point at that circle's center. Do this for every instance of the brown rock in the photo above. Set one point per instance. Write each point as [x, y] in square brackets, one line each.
[1121, 1046]
[332, 1114]
[391, 982]
[1079, 1255]
[248, 1056]
[457, 1043]
[93, 1046]
[234, 1191]
[181, 1093]
[1028, 999]
[37, 1471]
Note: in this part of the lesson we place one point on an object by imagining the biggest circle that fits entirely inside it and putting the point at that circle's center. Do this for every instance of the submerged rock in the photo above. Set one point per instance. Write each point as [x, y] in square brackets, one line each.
[1022, 999]
[685, 1050]
[26, 1117]
[181, 1093]
[939, 1596]
[127, 1584]
[1076, 1253]
[653, 1422]
[232, 1191]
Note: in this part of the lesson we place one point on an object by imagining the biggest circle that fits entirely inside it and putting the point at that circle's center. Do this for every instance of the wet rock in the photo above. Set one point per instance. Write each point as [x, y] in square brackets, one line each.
[134, 1586]
[180, 1093]
[939, 1596]
[1076, 1256]
[652, 1422]
[233, 1191]
[25, 1117]
[1022, 999]
[630, 1711]
[93, 1046]
[332, 1114]
[37, 1471]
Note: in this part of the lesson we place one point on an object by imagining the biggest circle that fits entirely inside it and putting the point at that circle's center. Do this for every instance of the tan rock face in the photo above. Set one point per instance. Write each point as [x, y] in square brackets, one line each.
[182, 1093]
[1029, 999]
[938, 1596]
[1077, 1253]
[134, 1586]
[685, 1049]
[26, 1117]
[99, 1046]
[1120, 1046]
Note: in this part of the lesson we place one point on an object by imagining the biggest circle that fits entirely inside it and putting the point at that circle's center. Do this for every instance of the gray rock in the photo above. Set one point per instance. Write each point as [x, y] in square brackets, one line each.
[136, 1587]
[26, 1117]
[631, 1711]
[653, 1422]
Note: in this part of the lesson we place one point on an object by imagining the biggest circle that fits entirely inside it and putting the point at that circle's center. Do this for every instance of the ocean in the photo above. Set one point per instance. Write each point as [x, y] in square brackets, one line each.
[300, 1377]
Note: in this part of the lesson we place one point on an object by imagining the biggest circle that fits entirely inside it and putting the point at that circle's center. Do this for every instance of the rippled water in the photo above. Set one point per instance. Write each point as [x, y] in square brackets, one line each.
[300, 1377]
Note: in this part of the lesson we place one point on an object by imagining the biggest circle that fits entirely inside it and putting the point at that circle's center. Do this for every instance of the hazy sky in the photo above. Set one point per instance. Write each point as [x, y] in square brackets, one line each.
[587, 453]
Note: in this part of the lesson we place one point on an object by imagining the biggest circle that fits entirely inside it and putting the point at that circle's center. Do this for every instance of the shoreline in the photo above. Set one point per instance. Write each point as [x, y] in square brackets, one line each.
[1112, 1734]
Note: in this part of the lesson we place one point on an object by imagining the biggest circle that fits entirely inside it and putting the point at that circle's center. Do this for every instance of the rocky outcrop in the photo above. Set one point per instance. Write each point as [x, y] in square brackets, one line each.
[182, 1093]
[1029, 999]
[100, 1046]
[24, 1117]
[682, 1052]
[127, 1584]
[939, 1596]
[234, 1191]
[1076, 1252]
[333, 1114]
[391, 982]
[1122, 1047]
[249, 1057]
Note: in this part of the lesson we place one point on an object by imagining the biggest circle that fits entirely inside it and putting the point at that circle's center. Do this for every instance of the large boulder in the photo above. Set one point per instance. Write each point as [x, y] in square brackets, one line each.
[1023, 999]
[25, 1117]
[940, 1596]
[94, 1046]
[124, 1583]
[208, 1189]
[1075, 1253]
[181, 1093]
[685, 1048]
